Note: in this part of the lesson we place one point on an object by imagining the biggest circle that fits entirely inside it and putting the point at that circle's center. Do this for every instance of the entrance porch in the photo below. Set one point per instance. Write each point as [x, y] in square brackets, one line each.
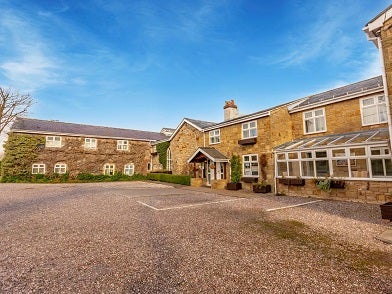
[208, 167]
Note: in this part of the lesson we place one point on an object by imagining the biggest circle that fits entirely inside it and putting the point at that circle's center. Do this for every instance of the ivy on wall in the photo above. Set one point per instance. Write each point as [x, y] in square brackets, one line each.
[161, 150]
[20, 152]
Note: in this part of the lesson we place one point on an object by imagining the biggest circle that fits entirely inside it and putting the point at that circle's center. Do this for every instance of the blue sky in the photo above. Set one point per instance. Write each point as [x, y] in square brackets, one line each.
[147, 64]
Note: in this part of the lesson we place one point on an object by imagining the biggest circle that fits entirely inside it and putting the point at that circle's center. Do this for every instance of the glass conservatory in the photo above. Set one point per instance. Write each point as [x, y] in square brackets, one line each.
[357, 156]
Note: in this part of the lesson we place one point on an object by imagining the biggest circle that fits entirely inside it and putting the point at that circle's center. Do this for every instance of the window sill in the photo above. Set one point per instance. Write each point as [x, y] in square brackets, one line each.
[312, 133]
[248, 141]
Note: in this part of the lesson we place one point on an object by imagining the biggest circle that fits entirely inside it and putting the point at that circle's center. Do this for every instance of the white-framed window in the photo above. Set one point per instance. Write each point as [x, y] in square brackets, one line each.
[60, 168]
[314, 121]
[373, 110]
[249, 129]
[250, 165]
[380, 162]
[38, 168]
[168, 159]
[129, 169]
[122, 144]
[108, 169]
[53, 141]
[90, 143]
[215, 137]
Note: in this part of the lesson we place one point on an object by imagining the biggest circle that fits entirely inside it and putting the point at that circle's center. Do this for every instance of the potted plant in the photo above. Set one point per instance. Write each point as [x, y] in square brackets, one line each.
[386, 211]
[324, 184]
[262, 187]
[236, 171]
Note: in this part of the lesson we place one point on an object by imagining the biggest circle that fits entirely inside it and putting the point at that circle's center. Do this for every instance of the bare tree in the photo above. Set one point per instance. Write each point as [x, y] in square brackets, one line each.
[12, 104]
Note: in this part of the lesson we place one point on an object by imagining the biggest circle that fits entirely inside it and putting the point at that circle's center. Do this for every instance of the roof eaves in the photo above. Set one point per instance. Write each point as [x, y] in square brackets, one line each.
[240, 119]
[79, 135]
[337, 99]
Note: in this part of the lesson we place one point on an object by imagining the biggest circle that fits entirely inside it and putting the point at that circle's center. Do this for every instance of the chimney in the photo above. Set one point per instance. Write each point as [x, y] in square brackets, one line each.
[230, 110]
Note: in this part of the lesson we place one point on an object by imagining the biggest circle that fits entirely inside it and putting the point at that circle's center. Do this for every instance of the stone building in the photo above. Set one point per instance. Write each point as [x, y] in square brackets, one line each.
[341, 137]
[76, 148]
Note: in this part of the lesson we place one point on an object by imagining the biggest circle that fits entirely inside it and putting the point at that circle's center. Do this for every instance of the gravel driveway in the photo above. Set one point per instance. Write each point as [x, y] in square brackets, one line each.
[139, 237]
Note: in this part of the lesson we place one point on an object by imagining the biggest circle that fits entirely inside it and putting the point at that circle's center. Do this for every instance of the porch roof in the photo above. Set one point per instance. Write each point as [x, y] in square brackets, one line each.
[369, 137]
[203, 153]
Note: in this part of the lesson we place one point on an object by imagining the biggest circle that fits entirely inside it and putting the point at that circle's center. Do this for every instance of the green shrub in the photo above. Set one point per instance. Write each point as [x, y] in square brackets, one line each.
[118, 176]
[65, 178]
[236, 168]
[175, 179]
[161, 150]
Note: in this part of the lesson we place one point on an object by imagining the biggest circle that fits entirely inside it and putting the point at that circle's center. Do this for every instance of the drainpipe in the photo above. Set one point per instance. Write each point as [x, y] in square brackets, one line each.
[384, 81]
[275, 172]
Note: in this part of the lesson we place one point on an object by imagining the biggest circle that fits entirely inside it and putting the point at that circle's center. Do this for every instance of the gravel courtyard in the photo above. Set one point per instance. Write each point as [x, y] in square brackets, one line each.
[135, 237]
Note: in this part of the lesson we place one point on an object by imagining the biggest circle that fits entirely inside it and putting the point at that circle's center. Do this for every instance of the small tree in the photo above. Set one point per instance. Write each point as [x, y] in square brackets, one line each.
[12, 104]
[236, 169]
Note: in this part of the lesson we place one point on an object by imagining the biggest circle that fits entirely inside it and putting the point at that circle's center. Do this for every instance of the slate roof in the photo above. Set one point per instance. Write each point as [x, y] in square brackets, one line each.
[200, 123]
[358, 87]
[213, 153]
[28, 125]
[210, 153]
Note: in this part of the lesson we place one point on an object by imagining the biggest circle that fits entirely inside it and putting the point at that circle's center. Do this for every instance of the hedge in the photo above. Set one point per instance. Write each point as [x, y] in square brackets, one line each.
[175, 179]
[65, 178]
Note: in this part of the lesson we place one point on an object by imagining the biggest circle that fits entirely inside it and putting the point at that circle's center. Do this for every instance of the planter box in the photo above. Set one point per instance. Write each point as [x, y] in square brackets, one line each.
[386, 211]
[262, 189]
[284, 181]
[249, 141]
[297, 182]
[292, 182]
[337, 184]
[234, 186]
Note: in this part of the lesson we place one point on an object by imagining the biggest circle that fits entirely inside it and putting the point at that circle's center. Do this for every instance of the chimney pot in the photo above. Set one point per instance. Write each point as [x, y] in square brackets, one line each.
[230, 110]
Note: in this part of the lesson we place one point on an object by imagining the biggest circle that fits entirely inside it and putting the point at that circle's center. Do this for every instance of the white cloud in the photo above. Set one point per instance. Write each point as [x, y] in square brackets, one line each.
[28, 63]
[372, 65]
[321, 37]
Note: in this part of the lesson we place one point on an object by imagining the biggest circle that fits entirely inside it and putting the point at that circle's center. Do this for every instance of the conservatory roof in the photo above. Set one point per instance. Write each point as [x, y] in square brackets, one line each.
[375, 136]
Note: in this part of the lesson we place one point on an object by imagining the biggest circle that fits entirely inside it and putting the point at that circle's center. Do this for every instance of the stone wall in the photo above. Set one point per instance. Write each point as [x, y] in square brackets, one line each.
[360, 191]
[341, 117]
[182, 146]
[82, 160]
[229, 136]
